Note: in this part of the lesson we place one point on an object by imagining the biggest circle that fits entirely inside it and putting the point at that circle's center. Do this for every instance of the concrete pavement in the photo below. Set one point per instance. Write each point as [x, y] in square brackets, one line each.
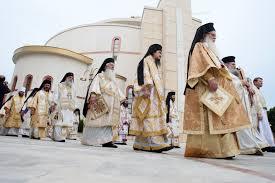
[31, 161]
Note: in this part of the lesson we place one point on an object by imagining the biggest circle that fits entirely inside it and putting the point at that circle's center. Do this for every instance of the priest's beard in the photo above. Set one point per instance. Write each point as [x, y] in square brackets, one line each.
[110, 74]
[69, 83]
[211, 45]
[234, 72]
[157, 62]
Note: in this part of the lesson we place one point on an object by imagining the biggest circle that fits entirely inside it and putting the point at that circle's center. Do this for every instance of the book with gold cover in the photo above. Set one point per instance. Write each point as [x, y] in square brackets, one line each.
[100, 108]
[217, 101]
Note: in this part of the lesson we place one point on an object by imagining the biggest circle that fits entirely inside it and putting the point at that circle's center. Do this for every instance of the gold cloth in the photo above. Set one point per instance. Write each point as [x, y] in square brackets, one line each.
[204, 65]
[149, 117]
[13, 120]
[211, 146]
[41, 102]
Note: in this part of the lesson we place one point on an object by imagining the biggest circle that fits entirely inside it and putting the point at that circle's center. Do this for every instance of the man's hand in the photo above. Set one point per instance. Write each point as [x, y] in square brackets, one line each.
[213, 85]
[32, 111]
[146, 91]
[260, 117]
[7, 111]
[93, 100]
[245, 83]
[52, 108]
[251, 91]
[22, 113]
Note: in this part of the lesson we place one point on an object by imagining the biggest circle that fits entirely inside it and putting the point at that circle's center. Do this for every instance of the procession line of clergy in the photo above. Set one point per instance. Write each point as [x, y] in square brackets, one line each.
[43, 112]
[242, 128]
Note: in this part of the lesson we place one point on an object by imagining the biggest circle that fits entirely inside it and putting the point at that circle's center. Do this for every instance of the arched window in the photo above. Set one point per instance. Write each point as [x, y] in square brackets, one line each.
[116, 44]
[14, 83]
[48, 77]
[28, 83]
[130, 97]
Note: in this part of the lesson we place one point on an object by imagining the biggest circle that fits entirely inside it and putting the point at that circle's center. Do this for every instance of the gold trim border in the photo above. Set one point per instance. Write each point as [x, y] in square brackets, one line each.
[51, 50]
[121, 77]
[148, 134]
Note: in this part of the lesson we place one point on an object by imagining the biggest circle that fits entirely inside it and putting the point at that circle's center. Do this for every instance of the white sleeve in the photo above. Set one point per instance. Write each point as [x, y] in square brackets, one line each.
[95, 86]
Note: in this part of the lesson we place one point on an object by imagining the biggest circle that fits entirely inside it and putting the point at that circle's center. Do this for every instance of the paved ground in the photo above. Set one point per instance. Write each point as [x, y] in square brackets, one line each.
[25, 160]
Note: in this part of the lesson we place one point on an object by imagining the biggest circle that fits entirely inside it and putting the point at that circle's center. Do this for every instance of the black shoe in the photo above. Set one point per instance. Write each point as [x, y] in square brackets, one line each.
[167, 148]
[136, 149]
[156, 151]
[229, 158]
[120, 143]
[11, 135]
[163, 149]
[264, 149]
[109, 144]
[25, 136]
[271, 149]
[38, 138]
[259, 153]
[60, 140]
[268, 149]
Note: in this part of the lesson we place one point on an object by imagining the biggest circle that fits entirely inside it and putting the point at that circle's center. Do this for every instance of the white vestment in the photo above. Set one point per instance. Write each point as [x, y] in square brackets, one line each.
[125, 118]
[249, 139]
[264, 125]
[104, 128]
[65, 98]
[174, 124]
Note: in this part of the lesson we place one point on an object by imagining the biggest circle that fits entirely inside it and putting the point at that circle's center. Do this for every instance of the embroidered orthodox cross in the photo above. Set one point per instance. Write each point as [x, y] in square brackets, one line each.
[216, 98]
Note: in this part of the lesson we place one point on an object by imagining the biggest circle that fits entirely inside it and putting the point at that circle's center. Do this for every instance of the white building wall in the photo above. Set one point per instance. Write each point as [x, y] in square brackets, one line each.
[95, 41]
[97, 38]
[41, 65]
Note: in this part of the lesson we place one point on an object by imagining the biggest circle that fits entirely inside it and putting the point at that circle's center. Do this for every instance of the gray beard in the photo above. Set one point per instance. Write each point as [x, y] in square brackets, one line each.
[234, 72]
[68, 83]
[157, 63]
[211, 46]
[110, 74]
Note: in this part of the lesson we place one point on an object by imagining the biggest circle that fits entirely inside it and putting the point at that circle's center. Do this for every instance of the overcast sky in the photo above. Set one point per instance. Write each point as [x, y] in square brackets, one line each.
[245, 28]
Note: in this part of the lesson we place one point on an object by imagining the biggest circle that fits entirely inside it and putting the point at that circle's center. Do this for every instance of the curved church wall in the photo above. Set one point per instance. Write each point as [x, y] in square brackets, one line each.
[42, 65]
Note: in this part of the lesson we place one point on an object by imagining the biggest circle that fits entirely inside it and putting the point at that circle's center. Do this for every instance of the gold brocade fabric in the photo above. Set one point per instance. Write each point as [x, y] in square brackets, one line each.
[149, 113]
[211, 146]
[202, 63]
[150, 143]
[15, 105]
[41, 103]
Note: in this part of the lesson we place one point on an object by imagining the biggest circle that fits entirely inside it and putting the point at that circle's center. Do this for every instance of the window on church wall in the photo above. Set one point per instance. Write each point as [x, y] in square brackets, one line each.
[116, 44]
[130, 97]
[28, 83]
[14, 82]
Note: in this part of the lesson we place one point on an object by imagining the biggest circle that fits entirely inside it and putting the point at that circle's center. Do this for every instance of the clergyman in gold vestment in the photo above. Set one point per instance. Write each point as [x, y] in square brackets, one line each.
[149, 110]
[40, 106]
[13, 109]
[209, 135]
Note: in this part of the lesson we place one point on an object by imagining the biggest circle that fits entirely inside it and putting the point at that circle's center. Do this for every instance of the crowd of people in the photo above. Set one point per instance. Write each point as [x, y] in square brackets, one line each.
[241, 128]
